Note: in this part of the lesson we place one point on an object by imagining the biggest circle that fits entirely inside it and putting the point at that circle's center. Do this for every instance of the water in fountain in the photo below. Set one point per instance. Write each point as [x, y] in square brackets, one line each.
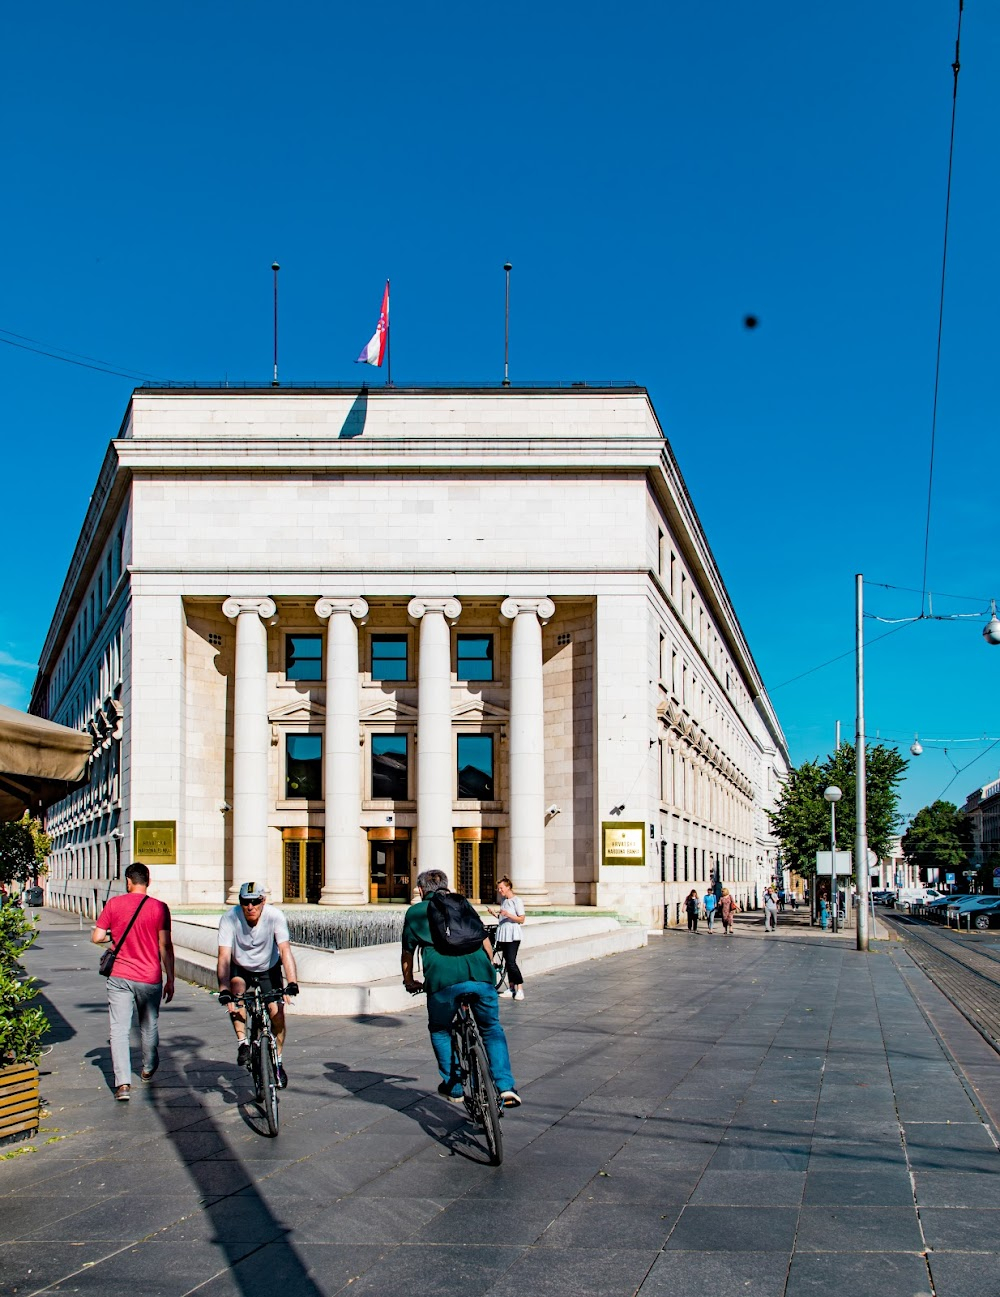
[346, 929]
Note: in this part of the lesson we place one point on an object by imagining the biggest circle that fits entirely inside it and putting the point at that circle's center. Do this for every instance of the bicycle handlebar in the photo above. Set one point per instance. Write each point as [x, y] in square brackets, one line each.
[268, 997]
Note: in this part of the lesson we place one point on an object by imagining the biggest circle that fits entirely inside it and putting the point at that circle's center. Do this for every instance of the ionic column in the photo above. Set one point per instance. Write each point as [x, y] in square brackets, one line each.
[345, 877]
[526, 744]
[251, 740]
[435, 848]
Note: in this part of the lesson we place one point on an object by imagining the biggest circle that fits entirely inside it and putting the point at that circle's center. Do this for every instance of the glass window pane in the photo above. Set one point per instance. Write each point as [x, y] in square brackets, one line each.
[389, 766]
[475, 766]
[304, 766]
[475, 657]
[389, 657]
[303, 657]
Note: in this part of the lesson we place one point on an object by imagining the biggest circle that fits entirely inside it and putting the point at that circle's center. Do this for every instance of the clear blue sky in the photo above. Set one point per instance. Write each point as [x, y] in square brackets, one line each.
[654, 173]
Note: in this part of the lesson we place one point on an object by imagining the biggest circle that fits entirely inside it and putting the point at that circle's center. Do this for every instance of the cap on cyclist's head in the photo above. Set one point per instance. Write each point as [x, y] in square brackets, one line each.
[251, 892]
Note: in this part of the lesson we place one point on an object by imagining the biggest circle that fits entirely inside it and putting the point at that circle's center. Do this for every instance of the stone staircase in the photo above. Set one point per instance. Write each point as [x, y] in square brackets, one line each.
[352, 983]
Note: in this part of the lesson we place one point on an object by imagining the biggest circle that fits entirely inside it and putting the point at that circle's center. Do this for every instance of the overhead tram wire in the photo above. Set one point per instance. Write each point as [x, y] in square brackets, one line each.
[72, 358]
[955, 67]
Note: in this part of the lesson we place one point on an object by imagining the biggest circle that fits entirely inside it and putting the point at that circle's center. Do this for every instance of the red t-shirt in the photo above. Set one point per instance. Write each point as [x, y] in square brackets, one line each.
[138, 960]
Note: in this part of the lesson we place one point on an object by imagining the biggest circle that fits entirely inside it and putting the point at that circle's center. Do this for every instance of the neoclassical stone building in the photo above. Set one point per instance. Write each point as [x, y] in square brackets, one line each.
[328, 638]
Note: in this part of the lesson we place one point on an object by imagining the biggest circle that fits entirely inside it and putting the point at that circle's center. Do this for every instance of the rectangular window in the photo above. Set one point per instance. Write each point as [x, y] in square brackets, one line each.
[474, 657]
[475, 767]
[303, 657]
[390, 654]
[304, 766]
[390, 765]
[677, 873]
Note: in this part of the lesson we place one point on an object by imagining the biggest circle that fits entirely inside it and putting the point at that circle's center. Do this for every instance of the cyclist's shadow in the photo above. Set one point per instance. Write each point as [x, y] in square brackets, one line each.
[447, 1124]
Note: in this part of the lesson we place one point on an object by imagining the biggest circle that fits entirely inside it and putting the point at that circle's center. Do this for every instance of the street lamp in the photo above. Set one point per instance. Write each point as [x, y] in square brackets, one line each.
[832, 795]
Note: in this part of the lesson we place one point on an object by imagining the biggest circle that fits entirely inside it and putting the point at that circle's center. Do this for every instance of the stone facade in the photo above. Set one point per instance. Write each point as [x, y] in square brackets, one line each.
[338, 637]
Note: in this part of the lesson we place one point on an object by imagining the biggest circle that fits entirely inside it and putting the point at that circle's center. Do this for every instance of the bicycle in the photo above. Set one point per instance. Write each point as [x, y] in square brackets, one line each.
[499, 963]
[262, 1063]
[471, 1066]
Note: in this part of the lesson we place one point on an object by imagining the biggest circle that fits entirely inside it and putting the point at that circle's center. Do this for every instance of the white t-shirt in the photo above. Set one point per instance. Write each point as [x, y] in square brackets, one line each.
[507, 930]
[255, 948]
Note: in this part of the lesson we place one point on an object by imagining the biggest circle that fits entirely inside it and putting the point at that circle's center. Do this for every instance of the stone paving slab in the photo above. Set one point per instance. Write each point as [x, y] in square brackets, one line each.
[770, 1117]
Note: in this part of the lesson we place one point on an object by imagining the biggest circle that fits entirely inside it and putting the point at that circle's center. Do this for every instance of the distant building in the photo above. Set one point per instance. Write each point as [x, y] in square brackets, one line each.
[329, 638]
[982, 809]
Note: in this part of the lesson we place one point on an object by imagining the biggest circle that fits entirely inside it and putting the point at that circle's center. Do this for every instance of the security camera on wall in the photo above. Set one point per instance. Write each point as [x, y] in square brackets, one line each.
[552, 810]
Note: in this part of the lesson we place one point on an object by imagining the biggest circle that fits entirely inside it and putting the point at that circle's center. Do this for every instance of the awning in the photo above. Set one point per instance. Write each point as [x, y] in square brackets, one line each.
[40, 762]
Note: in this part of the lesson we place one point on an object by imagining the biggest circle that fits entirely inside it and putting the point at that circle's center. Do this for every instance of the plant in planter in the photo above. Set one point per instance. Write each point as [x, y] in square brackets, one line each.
[22, 1026]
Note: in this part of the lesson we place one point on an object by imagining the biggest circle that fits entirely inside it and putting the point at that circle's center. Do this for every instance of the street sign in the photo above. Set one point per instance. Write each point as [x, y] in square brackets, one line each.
[949, 878]
[996, 879]
[844, 863]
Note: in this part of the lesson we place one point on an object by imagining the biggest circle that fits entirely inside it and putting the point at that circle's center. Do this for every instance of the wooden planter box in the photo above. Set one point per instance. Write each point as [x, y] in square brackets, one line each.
[19, 1102]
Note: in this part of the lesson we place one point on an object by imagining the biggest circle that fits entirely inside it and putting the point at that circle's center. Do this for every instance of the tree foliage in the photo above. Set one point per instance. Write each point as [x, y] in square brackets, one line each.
[801, 818]
[23, 848]
[22, 1024]
[939, 837]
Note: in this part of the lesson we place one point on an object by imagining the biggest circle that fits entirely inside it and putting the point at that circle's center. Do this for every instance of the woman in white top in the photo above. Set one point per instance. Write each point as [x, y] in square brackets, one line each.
[511, 916]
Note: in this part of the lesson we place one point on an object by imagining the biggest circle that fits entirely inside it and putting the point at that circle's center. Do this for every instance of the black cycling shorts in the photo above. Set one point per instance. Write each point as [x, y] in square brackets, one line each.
[270, 977]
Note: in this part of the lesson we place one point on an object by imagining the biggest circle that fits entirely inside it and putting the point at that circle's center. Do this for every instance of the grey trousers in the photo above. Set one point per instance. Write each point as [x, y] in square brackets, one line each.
[144, 998]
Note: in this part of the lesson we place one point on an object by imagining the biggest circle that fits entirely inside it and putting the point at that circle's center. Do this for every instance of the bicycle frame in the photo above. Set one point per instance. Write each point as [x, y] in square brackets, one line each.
[479, 1090]
[263, 1061]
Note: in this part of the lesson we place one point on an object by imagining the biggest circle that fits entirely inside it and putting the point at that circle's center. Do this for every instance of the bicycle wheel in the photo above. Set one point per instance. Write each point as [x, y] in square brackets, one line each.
[500, 968]
[485, 1100]
[269, 1086]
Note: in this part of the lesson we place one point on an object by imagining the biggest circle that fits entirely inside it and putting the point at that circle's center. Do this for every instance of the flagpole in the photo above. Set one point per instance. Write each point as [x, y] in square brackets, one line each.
[275, 267]
[388, 338]
[506, 328]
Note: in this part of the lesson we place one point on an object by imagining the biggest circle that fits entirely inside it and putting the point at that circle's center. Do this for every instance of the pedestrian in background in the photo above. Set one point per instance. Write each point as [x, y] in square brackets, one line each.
[729, 909]
[140, 926]
[511, 916]
[710, 909]
[691, 905]
[770, 910]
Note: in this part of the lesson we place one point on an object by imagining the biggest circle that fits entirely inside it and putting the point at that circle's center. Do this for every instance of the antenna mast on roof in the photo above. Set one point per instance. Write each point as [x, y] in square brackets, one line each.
[506, 328]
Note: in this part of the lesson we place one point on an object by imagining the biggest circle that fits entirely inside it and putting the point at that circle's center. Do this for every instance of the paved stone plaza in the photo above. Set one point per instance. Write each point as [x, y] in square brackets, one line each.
[758, 1116]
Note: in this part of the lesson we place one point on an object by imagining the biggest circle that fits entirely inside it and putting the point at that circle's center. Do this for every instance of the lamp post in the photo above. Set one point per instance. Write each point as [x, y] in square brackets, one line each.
[832, 796]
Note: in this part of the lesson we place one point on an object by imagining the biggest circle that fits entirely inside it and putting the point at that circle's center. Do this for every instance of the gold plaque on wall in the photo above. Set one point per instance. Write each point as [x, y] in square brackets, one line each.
[623, 844]
[154, 842]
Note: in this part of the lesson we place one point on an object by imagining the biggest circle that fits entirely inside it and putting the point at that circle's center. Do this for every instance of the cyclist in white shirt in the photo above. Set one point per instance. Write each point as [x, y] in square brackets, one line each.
[254, 946]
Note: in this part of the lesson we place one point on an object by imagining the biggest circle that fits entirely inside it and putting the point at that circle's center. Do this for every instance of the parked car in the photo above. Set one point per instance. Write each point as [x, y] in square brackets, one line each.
[986, 916]
[907, 897]
[937, 908]
[959, 906]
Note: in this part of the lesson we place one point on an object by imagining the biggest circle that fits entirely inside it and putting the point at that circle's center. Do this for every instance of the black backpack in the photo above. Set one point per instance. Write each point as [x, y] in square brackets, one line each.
[456, 928]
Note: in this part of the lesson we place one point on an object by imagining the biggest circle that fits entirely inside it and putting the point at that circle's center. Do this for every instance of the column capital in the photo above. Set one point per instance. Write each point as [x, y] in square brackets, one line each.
[326, 606]
[262, 605]
[447, 605]
[513, 604]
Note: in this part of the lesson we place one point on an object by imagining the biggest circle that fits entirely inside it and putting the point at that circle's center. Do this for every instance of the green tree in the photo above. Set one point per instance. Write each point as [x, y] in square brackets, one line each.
[939, 837]
[23, 849]
[801, 818]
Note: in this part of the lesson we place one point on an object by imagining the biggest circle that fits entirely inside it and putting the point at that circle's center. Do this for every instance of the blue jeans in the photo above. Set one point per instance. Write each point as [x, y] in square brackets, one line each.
[486, 1010]
[124, 998]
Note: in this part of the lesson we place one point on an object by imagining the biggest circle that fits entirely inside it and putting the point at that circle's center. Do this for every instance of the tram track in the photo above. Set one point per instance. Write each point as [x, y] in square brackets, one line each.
[967, 972]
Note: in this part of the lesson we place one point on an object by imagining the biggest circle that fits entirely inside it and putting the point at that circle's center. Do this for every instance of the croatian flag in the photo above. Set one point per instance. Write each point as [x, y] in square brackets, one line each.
[375, 348]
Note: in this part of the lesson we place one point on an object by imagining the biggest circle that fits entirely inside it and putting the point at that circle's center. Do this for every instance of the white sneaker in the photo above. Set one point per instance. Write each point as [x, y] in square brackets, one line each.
[518, 994]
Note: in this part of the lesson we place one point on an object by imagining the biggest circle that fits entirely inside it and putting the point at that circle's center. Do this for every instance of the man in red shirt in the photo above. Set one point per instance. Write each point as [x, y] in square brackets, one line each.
[136, 982]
